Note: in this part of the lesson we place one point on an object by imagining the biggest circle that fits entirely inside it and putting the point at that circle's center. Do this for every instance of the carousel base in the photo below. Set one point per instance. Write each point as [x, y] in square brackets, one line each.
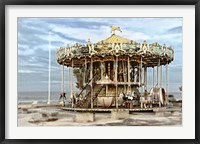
[84, 117]
[120, 114]
[88, 114]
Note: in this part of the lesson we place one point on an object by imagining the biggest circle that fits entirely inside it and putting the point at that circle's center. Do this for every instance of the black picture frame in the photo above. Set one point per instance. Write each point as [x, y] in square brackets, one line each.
[4, 3]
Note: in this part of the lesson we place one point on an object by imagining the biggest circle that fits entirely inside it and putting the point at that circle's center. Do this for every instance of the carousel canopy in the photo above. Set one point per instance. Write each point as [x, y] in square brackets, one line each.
[112, 47]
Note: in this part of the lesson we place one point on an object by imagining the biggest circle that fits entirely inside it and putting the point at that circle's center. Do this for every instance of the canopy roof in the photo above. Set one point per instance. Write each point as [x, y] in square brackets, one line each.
[112, 47]
[116, 39]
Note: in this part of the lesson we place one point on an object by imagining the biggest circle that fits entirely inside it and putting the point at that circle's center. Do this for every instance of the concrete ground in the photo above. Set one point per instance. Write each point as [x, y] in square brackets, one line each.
[29, 115]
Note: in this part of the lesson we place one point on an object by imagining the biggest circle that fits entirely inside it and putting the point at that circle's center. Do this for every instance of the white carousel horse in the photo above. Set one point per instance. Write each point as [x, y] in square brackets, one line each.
[130, 96]
[159, 96]
[146, 101]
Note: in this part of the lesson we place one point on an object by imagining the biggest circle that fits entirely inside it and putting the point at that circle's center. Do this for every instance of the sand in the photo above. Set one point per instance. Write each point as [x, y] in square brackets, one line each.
[31, 116]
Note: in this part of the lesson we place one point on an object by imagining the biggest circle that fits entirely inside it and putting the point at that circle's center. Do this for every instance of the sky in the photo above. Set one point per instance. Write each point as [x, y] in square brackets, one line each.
[33, 45]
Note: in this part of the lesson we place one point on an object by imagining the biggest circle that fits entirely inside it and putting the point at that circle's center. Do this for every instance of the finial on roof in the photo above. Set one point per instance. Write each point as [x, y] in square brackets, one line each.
[114, 28]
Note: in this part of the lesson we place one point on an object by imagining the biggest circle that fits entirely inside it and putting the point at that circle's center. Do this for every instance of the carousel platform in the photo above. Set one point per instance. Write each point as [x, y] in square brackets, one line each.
[107, 109]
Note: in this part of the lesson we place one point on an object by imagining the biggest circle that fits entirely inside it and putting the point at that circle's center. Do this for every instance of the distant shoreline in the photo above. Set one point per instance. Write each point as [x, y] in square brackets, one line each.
[42, 96]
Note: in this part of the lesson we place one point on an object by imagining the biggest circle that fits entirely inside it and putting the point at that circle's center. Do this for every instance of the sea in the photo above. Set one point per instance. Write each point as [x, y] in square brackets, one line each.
[39, 97]
[42, 97]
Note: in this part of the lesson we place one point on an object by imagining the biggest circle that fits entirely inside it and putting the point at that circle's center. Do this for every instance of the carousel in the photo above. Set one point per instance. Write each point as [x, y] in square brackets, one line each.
[112, 73]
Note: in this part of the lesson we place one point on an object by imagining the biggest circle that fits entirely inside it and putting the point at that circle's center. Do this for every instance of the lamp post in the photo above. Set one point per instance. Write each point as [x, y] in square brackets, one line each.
[49, 82]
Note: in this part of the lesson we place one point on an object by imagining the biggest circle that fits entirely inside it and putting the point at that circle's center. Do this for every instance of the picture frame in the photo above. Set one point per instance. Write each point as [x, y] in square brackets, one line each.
[98, 2]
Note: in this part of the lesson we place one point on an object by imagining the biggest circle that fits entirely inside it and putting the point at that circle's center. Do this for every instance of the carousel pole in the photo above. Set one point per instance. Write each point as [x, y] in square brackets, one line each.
[71, 75]
[153, 77]
[166, 81]
[116, 66]
[72, 79]
[102, 71]
[84, 73]
[49, 82]
[129, 82]
[158, 73]
[145, 77]
[63, 103]
[116, 93]
[91, 75]
[123, 76]
[62, 78]
[70, 86]
[160, 76]
[141, 73]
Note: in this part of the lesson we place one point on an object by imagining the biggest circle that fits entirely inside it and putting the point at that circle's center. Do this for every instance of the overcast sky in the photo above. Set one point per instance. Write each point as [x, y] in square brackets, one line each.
[33, 45]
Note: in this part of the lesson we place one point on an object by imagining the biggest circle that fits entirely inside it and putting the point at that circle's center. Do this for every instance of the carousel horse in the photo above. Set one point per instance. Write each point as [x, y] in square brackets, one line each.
[159, 96]
[130, 96]
[146, 100]
[62, 95]
[114, 28]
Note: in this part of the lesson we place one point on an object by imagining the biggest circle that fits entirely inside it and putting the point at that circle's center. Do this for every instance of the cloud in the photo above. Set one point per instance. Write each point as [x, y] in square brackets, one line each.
[136, 35]
[32, 40]
[175, 30]
[82, 34]
[31, 29]
[25, 51]
[76, 23]
[26, 71]
[64, 36]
